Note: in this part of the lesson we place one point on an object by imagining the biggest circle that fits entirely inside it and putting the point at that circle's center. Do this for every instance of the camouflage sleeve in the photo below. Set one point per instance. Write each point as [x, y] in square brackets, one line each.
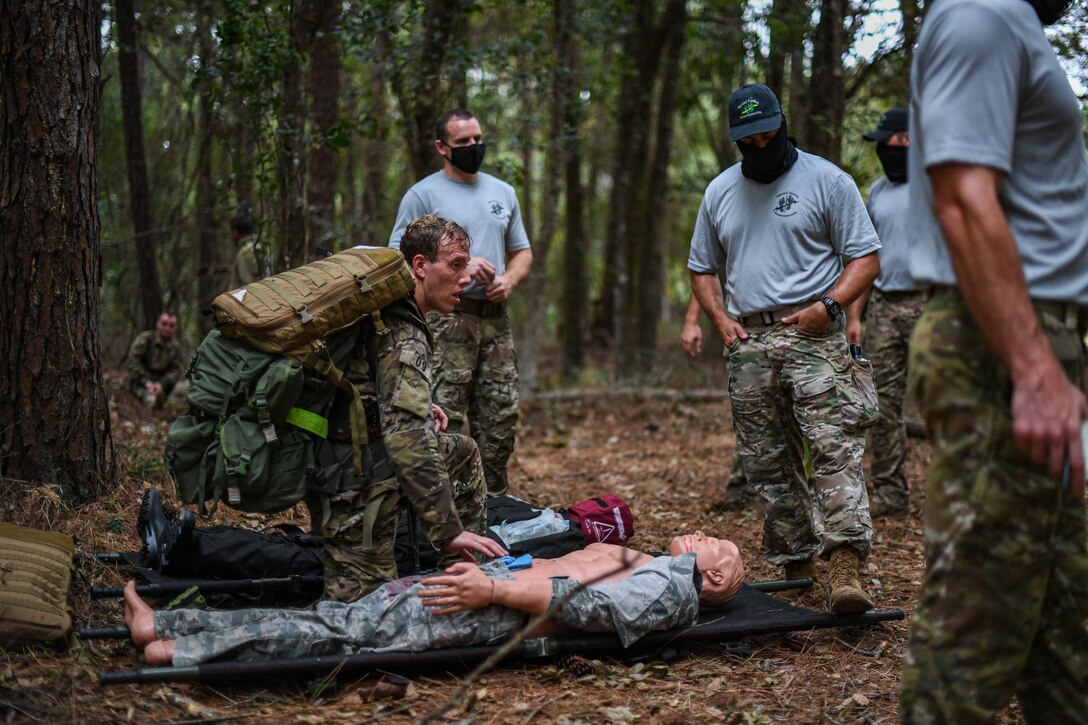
[176, 369]
[658, 595]
[136, 371]
[403, 375]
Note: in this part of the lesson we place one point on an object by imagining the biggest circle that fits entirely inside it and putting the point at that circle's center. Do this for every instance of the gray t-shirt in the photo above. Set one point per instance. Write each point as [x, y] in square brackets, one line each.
[889, 208]
[987, 90]
[780, 243]
[487, 209]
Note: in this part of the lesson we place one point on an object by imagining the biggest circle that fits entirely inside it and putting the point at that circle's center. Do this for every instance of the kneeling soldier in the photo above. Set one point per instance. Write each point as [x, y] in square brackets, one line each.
[439, 475]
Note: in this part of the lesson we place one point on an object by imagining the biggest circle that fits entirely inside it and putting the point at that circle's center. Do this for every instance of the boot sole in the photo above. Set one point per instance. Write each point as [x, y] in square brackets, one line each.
[850, 603]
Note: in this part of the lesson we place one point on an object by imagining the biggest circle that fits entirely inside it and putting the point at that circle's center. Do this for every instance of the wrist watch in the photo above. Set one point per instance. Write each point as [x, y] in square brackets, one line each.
[834, 309]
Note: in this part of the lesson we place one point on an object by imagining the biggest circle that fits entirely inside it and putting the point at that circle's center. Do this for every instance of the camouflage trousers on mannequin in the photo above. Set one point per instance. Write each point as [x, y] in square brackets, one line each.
[352, 569]
[890, 320]
[476, 378]
[788, 388]
[1004, 600]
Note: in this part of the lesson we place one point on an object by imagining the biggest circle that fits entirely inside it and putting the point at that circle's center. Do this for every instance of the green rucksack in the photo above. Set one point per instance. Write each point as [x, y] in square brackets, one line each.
[254, 420]
[264, 381]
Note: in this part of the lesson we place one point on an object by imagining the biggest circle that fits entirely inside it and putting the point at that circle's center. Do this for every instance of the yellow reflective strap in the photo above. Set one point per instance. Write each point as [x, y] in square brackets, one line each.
[308, 420]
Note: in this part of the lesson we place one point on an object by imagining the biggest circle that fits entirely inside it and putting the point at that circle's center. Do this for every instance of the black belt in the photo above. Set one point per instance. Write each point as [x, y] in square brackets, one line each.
[481, 308]
[771, 317]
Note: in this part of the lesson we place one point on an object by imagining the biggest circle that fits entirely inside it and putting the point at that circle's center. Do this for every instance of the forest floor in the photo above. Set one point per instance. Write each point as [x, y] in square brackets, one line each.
[667, 451]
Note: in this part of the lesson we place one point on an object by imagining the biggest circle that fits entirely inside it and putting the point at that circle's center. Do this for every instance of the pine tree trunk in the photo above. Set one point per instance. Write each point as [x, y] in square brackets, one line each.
[54, 420]
[294, 247]
[645, 295]
[641, 261]
[555, 156]
[825, 118]
[135, 155]
[324, 86]
[211, 279]
[420, 90]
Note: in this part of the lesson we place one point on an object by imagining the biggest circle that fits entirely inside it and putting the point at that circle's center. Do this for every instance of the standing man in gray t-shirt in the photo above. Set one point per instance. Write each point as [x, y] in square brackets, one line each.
[476, 370]
[894, 305]
[999, 191]
[780, 224]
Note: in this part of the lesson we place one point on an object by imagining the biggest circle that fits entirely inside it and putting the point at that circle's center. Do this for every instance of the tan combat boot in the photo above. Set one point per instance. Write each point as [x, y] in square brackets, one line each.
[847, 596]
[801, 570]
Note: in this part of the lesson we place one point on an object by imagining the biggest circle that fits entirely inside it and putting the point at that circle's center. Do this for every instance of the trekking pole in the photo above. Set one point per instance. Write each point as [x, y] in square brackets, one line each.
[295, 584]
[780, 585]
[120, 632]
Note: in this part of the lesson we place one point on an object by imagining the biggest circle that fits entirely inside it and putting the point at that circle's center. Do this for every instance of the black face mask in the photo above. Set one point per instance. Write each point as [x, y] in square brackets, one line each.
[1050, 11]
[770, 162]
[468, 158]
[894, 161]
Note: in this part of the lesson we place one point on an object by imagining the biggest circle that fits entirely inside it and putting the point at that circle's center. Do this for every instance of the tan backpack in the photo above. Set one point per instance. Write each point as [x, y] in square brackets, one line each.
[293, 313]
[35, 576]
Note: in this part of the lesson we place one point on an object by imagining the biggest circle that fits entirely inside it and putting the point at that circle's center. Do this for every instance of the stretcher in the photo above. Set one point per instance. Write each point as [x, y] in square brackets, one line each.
[753, 612]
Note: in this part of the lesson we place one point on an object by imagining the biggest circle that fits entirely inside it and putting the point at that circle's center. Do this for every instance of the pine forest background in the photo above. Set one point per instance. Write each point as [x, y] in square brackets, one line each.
[314, 116]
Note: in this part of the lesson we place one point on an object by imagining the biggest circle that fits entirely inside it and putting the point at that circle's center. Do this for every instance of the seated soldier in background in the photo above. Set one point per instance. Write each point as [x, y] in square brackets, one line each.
[626, 592]
[438, 475]
[156, 361]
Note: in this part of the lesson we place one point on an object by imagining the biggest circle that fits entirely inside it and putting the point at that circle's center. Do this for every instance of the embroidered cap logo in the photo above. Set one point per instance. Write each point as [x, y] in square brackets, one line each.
[748, 107]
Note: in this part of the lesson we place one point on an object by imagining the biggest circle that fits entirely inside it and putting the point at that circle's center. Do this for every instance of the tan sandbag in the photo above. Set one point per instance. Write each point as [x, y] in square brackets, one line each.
[35, 577]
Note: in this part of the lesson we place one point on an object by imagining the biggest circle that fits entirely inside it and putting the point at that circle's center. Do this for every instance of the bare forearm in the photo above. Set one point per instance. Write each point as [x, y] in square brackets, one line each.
[519, 265]
[1047, 408]
[708, 291]
[855, 279]
[691, 316]
[853, 314]
[988, 267]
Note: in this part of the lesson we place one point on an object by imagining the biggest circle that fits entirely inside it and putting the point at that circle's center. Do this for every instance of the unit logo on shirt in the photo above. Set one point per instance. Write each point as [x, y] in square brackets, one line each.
[786, 201]
[497, 209]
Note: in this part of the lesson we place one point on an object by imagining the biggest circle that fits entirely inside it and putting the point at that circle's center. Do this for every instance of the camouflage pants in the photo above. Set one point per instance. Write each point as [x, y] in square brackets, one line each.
[170, 389]
[787, 388]
[353, 569]
[890, 319]
[476, 377]
[392, 617]
[1004, 600]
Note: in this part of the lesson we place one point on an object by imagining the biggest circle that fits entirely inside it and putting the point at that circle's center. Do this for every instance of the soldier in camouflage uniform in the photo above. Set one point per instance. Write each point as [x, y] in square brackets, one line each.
[156, 361]
[437, 474]
[999, 189]
[892, 310]
[781, 223]
[466, 606]
[476, 371]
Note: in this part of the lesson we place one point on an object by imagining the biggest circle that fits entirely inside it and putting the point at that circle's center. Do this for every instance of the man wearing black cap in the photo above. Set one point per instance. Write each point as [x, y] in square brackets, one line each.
[781, 224]
[999, 194]
[893, 307]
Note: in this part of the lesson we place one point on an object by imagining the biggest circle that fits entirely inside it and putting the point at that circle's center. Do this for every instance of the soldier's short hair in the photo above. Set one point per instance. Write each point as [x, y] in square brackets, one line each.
[442, 127]
[427, 234]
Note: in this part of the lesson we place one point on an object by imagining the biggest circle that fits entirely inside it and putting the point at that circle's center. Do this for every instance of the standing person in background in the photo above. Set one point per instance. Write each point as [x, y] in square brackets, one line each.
[737, 491]
[250, 264]
[999, 193]
[894, 305]
[476, 371]
[790, 231]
